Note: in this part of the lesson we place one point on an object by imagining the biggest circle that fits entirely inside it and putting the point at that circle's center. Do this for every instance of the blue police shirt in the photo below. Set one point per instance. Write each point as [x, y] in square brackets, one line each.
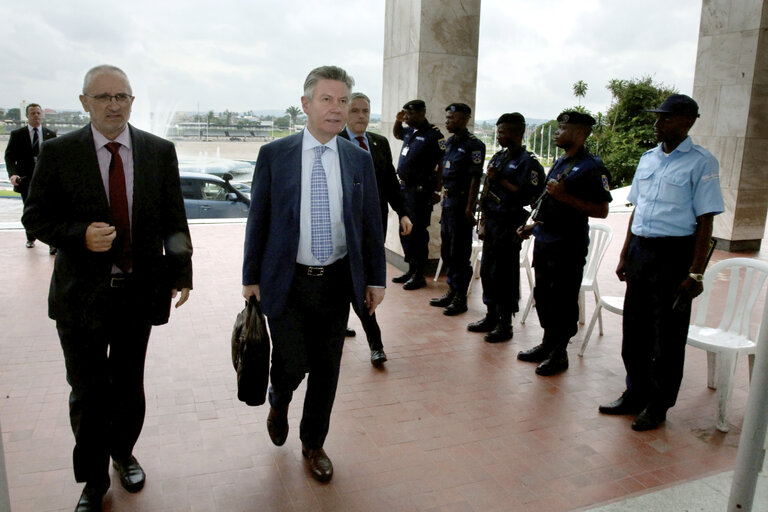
[588, 180]
[670, 191]
[423, 149]
[522, 170]
[463, 160]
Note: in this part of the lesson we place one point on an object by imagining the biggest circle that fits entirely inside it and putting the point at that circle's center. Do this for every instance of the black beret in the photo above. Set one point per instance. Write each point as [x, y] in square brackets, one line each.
[515, 118]
[678, 104]
[459, 107]
[574, 117]
[415, 105]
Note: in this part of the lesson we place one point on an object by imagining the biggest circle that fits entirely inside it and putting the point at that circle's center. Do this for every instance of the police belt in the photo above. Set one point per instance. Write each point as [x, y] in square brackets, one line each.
[455, 193]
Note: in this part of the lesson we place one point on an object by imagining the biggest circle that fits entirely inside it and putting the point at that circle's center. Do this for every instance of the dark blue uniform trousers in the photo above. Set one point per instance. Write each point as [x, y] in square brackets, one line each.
[456, 247]
[500, 267]
[416, 245]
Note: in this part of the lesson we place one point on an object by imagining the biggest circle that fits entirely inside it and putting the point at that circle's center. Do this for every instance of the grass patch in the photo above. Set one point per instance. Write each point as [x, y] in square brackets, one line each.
[9, 193]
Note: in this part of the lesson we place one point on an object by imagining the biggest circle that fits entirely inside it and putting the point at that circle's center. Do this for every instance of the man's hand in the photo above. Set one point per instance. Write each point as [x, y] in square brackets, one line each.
[373, 297]
[405, 226]
[491, 172]
[469, 213]
[15, 180]
[691, 288]
[252, 289]
[621, 269]
[182, 298]
[556, 189]
[524, 232]
[99, 236]
[400, 116]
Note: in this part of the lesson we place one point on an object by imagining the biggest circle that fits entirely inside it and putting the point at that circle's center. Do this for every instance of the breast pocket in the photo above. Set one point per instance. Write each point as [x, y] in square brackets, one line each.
[644, 180]
[675, 188]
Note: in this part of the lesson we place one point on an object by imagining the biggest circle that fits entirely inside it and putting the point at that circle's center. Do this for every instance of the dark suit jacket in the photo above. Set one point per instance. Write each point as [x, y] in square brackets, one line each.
[272, 232]
[67, 194]
[18, 155]
[386, 177]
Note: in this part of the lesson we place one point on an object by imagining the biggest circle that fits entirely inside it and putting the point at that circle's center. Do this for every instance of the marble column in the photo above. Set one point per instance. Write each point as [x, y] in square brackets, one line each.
[430, 53]
[731, 87]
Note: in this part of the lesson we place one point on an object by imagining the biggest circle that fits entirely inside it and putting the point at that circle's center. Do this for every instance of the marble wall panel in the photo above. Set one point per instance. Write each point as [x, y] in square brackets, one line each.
[733, 111]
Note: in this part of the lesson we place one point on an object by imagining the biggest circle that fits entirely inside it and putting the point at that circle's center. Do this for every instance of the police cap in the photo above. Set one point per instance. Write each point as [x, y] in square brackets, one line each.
[515, 119]
[574, 117]
[678, 104]
[459, 107]
[415, 105]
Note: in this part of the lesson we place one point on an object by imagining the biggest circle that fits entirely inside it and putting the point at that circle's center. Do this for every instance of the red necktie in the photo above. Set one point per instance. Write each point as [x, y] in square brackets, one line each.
[361, 141]
[118, 208]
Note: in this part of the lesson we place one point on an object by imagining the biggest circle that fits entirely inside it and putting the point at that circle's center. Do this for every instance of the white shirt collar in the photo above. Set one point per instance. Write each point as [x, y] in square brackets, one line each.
[100, 140]
[309, 141]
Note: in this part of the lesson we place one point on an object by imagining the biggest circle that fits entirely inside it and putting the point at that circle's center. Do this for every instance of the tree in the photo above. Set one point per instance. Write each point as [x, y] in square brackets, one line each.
[293, 112]
[580, 90]
[628, 132]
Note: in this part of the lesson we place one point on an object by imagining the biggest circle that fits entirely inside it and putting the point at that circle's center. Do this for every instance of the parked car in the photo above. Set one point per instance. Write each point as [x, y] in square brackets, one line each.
[210, 197]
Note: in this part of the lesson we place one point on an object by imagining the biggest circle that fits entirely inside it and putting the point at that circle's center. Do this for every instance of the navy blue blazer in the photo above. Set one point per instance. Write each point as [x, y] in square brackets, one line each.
[272, 232]
[67, 194]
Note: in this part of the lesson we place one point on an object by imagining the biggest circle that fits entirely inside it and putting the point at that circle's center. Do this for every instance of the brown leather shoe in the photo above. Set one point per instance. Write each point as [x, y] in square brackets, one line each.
[132, 476]
[319, 464]
[277, 426]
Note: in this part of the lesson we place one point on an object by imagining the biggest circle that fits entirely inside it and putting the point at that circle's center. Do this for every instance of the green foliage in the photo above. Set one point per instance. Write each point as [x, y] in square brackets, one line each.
[580, 90]
[626, 130]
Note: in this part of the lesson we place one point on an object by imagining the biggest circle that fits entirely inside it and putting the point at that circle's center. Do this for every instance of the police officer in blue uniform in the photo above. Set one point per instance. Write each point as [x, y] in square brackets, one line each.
[513, 181]
[578, 187]
[420, 158]
[462, 169]
[676, 193]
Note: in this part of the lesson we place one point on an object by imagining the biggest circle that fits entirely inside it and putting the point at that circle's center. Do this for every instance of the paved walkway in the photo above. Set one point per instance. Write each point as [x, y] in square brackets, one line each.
[451, 424]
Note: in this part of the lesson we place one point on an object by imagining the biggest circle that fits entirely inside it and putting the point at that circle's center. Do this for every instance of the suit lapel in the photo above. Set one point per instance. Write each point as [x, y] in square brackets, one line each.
[91, 175]
[348, 171]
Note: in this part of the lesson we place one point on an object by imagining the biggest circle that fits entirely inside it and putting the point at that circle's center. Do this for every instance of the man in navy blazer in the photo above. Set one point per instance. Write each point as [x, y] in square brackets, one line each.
[313, 243]
[21, 155]
[121, 258]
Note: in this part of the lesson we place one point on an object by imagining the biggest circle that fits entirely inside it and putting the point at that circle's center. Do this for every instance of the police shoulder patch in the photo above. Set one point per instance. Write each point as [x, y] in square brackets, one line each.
[606, 186]
[442, 143]
[477, 157]
[534, 177]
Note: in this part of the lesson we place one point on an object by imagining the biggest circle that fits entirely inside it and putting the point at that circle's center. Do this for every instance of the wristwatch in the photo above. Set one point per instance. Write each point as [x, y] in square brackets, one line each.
[696, 277]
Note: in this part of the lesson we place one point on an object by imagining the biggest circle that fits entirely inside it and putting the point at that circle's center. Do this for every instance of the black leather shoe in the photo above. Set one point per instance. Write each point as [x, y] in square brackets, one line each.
[350, 333]
[415, 282]
[91, 498]
[443, 301]
[402, 278]
[625, 404]
[502, 332]
[52, 251]
[378, 357]
[485, 325]
[556, 363]
[457, 306]
[30, 244]
[319, 464]
[649, 419]
[536, 354]
[132, 476]
[277, 426]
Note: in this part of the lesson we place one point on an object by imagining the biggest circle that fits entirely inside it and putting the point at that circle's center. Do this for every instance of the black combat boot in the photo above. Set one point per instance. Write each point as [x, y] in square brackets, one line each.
[457, 306]
[443, 301]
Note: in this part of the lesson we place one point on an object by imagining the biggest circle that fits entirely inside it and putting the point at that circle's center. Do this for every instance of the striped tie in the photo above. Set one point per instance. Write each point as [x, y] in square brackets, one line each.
[322, 245]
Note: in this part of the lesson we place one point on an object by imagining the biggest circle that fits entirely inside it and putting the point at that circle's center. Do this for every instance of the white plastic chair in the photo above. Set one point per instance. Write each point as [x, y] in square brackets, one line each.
[600, 236]
[525, 263]
[610, 303]
[731, 338]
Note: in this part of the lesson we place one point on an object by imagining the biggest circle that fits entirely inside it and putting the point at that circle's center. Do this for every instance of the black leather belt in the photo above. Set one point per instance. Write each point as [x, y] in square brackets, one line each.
[321, 271]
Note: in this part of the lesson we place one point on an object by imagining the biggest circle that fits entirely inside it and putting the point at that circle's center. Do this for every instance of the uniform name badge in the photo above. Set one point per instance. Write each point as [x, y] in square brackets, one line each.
[404, 152]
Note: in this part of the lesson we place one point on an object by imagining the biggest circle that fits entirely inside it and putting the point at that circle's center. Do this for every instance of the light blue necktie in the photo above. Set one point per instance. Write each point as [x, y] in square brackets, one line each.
[322, 244]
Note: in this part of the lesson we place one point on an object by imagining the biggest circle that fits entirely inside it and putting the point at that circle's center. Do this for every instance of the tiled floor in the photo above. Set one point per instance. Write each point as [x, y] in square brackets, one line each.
[451, 424]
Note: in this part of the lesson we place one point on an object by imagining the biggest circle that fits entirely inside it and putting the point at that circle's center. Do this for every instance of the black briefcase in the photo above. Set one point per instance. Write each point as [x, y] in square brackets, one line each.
[250, 354]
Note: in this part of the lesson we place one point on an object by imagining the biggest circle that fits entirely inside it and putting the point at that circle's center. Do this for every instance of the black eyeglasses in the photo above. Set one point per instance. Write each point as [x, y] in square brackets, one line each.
[121, 98]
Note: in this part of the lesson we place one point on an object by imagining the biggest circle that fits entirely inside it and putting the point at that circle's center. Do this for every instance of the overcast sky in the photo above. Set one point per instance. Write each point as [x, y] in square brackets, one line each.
[254, 55]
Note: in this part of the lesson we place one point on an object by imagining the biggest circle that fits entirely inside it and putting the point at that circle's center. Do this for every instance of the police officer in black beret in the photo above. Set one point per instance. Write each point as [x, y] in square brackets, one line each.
[420, 157]
[578, 187]
[513, 181]
[462, 169]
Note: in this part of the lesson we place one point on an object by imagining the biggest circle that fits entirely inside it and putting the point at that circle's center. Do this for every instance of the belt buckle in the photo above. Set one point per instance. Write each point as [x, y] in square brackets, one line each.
[117, 282]
[315, 271]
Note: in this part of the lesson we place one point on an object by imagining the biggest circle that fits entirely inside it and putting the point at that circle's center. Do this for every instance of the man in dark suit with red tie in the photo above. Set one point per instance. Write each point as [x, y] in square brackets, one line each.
[109, 197]
[21, 155]
[358, 117]
[313, 244]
